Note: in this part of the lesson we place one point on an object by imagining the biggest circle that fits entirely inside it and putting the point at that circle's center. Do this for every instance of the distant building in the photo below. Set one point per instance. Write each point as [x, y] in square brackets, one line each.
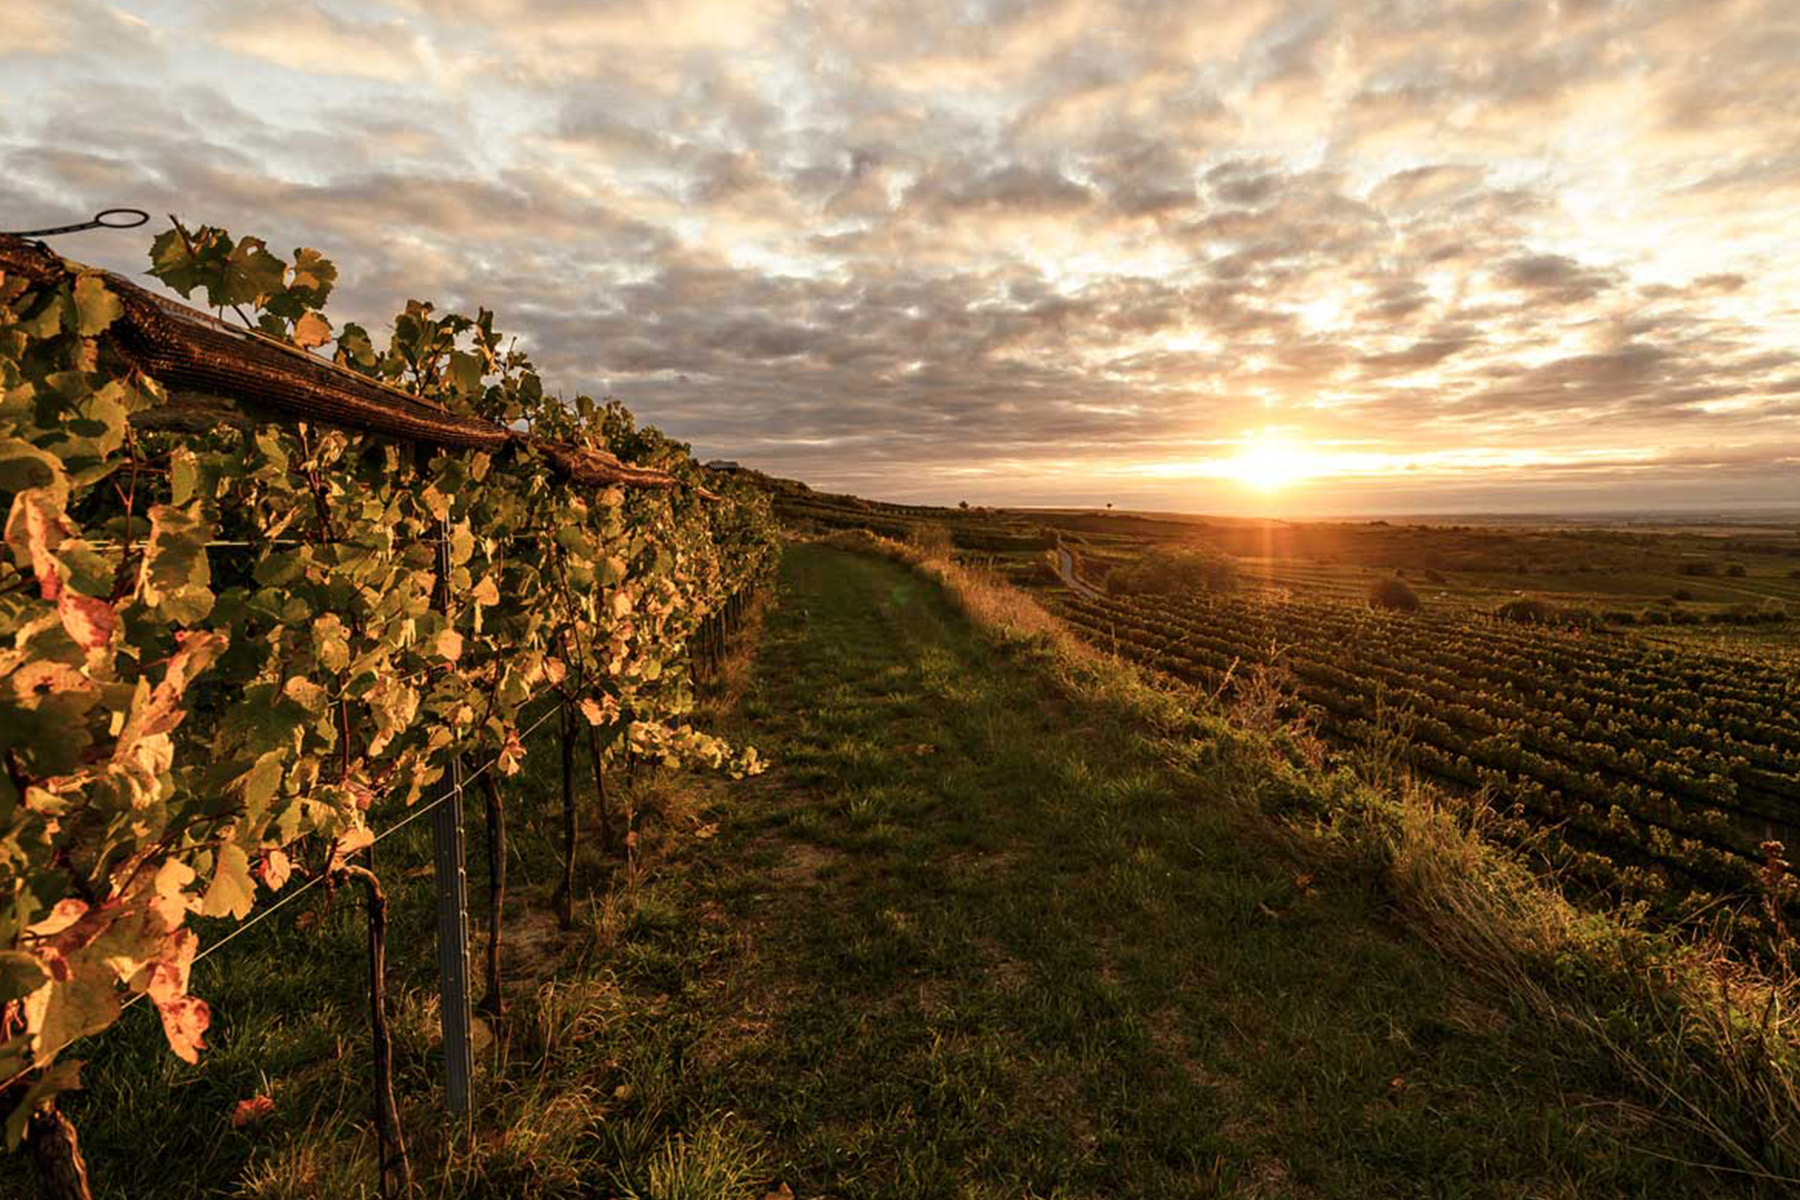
[723, 464]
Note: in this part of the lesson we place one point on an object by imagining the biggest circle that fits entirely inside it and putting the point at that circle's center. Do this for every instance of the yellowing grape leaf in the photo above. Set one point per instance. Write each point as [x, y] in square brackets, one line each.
[95, 307]
[232, 891]
[34, 529]
[275, 868]
[89, 622]
[311, 330]
[184, 1021]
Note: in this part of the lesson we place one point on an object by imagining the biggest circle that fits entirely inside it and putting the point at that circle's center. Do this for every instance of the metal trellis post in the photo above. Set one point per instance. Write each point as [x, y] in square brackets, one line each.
[452, 879]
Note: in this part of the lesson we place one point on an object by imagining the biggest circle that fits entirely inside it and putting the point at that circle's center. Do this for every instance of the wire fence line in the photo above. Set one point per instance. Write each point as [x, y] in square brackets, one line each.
[417, 812]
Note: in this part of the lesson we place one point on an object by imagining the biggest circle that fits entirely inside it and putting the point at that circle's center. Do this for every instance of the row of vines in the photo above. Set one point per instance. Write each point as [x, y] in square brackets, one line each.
[234, 645]
[1647, 773]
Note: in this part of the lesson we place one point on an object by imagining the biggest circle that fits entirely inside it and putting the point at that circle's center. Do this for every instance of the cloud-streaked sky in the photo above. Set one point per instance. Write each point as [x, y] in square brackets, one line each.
[1436, 256]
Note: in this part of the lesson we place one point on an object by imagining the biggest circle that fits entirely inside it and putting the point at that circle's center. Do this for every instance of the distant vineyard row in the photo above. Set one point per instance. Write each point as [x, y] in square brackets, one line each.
[1646, 772]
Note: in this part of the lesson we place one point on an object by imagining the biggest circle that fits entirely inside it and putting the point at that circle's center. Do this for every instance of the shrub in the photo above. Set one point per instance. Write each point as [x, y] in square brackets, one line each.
[1527, 610]
[1653, 616]
[1735, 570]
[1681, 594]
[1768, 612]
[1171, 571]
[1698, 568]
[1393, 594]
[1433, 575]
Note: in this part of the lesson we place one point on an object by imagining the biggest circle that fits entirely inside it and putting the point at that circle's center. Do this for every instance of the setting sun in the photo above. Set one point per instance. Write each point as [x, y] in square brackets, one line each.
[1270, 464]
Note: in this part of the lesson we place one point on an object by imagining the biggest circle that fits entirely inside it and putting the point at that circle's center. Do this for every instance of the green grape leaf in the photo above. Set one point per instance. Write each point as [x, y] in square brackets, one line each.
[97, 307]
[250, 275]
[312, 278]
[24, 466]
[354, 349]
[175, 577]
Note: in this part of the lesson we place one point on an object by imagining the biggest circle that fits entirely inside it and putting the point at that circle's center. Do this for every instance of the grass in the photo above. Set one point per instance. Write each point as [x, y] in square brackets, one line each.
[999, 923]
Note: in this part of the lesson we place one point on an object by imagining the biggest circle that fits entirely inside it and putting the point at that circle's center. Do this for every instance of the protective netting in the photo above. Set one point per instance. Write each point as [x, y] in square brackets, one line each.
[188, 350]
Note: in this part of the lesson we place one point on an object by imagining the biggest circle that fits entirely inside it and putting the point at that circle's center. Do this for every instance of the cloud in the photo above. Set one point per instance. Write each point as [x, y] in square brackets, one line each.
[316, 42]
[1554, 277]
[991, 246]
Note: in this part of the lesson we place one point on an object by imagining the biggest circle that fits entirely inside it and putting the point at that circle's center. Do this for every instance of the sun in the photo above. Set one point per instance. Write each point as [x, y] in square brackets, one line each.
[1269, 464]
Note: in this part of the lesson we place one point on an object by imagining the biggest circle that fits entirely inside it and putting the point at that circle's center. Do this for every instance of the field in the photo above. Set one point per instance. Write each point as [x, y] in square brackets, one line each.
[1641, 736]
[1650, 772]
[1716, 586]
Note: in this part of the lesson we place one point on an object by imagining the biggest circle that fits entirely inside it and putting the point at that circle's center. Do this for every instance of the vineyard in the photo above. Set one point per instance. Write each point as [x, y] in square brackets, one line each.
[262, 605]
[1643, 772]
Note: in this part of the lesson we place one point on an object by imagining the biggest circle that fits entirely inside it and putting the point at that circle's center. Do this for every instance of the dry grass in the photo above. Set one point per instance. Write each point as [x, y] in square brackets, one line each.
[1714, 1043]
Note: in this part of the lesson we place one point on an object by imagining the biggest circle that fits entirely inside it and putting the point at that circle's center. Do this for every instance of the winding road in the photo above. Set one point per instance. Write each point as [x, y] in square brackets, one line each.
[1065, 570]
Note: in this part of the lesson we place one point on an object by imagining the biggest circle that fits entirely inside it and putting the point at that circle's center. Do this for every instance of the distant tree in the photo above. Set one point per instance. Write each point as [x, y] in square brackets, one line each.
[963, 504]
[1394, 594]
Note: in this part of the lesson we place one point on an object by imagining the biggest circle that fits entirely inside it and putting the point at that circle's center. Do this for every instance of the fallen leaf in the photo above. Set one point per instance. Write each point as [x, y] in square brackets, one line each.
[253, 1109]
[784, 1192]
[706, 831]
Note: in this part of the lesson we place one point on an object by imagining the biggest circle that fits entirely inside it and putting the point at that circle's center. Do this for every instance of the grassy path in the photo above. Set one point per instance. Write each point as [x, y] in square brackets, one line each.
[966, 941]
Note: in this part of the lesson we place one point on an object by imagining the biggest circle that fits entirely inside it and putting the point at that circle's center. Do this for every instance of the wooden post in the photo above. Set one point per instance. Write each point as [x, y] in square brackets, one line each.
[56, 1153]
[396, 1170]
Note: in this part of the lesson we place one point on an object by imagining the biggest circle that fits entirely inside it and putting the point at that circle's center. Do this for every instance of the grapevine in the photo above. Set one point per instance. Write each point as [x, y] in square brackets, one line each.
[233, 643]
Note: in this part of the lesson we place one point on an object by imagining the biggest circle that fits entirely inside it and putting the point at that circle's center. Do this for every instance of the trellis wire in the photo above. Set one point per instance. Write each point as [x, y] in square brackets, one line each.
[417, 812]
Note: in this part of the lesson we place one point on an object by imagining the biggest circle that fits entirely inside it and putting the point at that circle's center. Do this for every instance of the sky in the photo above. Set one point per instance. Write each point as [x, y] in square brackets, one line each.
[1249, 256]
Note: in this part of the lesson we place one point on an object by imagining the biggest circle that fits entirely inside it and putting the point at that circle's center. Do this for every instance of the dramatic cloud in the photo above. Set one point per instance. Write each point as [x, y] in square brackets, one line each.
[1489, 253]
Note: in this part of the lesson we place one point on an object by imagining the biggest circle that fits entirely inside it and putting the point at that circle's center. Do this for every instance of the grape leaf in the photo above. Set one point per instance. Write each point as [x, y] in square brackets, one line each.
[232, 892]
